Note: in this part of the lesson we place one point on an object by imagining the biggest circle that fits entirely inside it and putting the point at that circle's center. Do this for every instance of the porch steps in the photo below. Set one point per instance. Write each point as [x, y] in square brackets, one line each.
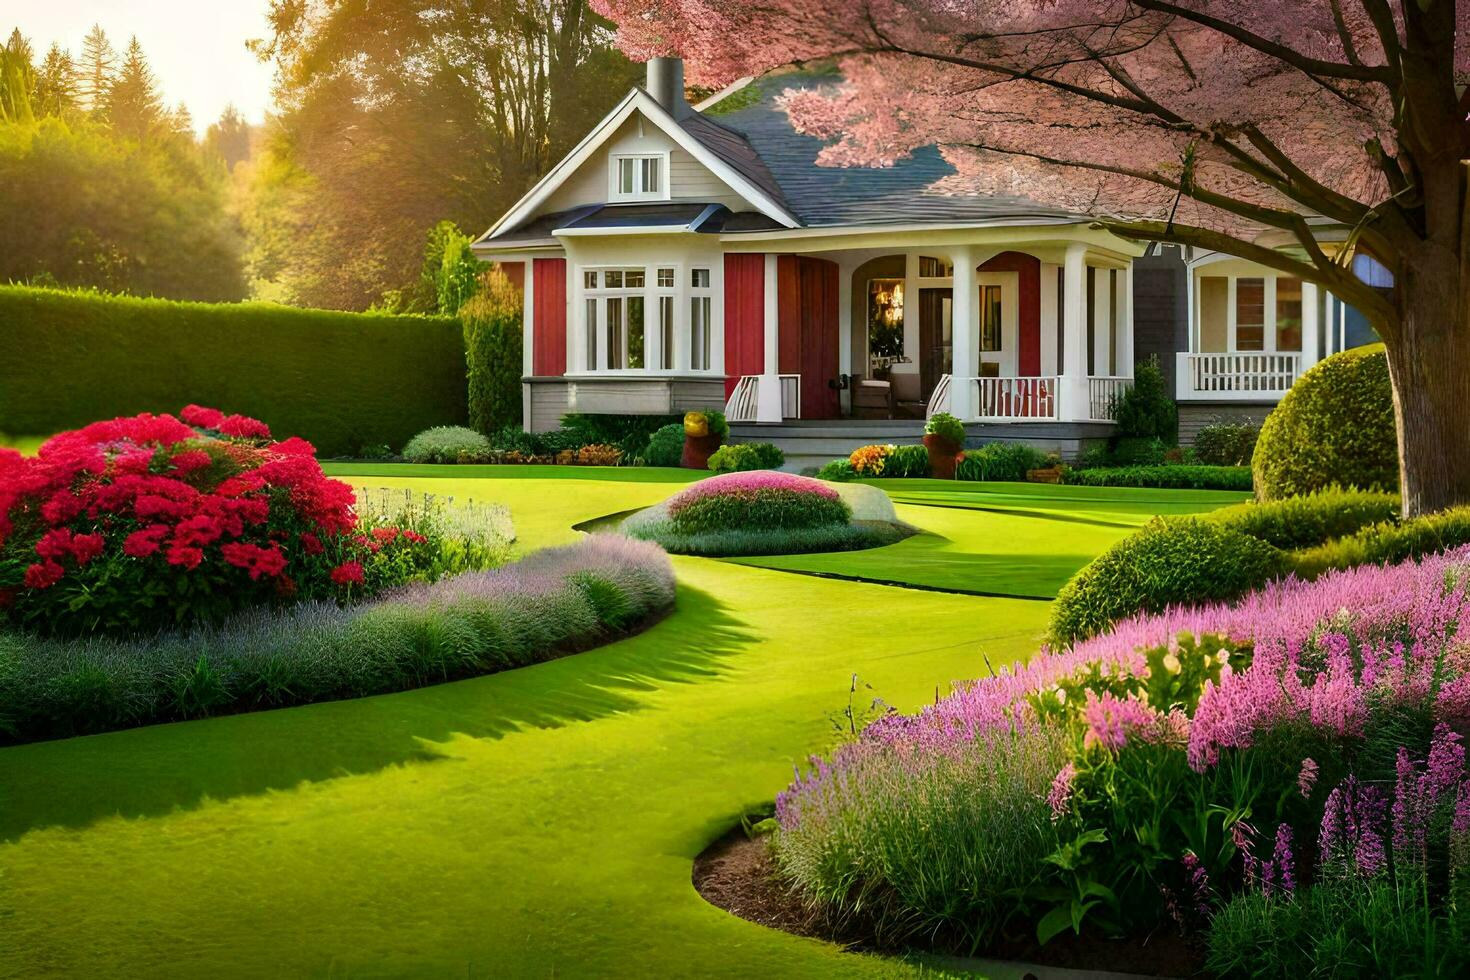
[810, 443]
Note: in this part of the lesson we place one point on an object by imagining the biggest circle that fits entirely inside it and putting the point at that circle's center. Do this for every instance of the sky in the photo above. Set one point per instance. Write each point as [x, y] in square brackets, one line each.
[196, 48]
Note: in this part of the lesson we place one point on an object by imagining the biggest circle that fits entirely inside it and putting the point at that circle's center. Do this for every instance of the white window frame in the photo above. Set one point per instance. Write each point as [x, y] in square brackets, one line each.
[681, 293]
[614, 185]
[1268, 343]
[692, 294]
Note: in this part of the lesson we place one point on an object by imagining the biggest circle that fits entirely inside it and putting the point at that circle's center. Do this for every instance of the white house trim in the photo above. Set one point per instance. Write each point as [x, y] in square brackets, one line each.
[637, 100]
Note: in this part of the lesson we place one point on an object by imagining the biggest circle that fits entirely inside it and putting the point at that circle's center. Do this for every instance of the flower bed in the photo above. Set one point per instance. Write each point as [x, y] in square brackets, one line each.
[1215, 770]
[552, 602]
[765, 512]
[133, 525]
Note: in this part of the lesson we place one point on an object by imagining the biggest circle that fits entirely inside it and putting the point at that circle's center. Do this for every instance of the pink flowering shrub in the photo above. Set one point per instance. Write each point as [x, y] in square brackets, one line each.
[133, 525]
[763, 499]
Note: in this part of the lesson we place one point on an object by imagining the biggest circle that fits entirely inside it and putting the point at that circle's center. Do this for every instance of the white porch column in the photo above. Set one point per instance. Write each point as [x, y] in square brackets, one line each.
[1049, 314]
[1074, 402]
[845, 270]
[768, 394]
[964, 312]
[1311, 323]
[1102, 322]
[1124, 307]
[528, 336]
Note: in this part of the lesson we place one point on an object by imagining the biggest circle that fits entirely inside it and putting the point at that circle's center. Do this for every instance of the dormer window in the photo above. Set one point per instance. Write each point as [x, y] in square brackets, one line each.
[639, 177]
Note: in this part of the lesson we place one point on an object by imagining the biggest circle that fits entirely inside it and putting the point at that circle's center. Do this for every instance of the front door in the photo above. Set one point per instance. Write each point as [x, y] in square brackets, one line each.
[936, 337]
[998, 330]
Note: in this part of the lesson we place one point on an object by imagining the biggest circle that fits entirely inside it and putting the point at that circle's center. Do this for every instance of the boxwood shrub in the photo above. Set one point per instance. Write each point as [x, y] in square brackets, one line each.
[341, 381]
[1388, 542]
[746, 456]
[1301, 522]
[1183, 561]
[445, 444]
[665, 446]
[1180, 477]
[1335, 427]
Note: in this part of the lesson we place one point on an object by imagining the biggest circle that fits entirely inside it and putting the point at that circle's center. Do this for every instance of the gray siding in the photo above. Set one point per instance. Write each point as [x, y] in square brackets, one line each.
[1160, 311]
[1194, 416]
[551, 398]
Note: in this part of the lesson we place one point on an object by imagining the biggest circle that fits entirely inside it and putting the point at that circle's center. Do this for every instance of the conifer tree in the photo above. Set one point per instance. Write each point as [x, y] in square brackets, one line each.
[96, 71]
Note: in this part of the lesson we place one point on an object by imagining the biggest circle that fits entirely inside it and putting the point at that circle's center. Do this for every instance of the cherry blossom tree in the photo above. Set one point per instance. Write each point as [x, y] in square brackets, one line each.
[1292, 133]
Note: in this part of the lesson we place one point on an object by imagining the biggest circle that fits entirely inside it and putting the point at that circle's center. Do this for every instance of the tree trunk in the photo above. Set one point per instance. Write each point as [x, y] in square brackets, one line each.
[1429, 362]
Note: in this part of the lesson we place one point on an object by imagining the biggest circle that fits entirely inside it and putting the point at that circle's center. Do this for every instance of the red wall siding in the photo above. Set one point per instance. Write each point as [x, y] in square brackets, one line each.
[1028, 353]
[807, 313]
[549, 351]
[745, 297]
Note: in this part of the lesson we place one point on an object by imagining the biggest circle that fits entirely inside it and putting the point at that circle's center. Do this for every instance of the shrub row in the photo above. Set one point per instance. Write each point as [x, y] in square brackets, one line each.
[342, 381]
[1163, 477]
[552, 602]
[1189, 560]
[995, 461]
[746, 456]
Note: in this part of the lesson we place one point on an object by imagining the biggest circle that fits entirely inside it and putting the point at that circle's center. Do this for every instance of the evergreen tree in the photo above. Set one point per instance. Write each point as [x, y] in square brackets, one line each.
[56, 83]
[97, 70]
[181, 121]
[133, 106]
[17, 79]
[229, 138]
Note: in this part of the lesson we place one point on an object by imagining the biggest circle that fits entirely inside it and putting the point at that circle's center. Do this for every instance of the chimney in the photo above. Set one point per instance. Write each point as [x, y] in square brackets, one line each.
[666, 85]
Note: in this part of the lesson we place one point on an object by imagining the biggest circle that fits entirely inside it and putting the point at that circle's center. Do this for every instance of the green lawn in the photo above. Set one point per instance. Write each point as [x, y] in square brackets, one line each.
[539, 822]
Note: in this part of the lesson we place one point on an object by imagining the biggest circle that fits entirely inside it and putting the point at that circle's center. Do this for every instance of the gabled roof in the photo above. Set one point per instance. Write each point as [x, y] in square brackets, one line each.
[711, 151]
[826, 196]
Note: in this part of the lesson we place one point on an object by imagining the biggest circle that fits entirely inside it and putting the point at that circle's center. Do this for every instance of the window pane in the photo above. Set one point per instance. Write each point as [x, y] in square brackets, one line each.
[614, 332]
[699, 278]
[591, 335]
[1288, 313]
[932, 268]
[990, 326]
[589, 280]
[635, 332]
[699, 309]
[666, 278]
[1250, 314]
[626, 169]
[651, 181]
[885, 318]
[633, 279]
[1213, 304]
[666, 331]
[613, 279]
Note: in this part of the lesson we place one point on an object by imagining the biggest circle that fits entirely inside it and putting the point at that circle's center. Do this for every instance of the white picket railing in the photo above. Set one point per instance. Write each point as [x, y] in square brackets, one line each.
[939, 400]
[1103, 394]
[1016, 399]
[744, 401]
[1243, 377]
[743, 405]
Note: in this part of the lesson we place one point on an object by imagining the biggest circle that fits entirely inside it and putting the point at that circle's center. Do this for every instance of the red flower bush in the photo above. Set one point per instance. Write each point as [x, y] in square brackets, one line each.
[137, 524]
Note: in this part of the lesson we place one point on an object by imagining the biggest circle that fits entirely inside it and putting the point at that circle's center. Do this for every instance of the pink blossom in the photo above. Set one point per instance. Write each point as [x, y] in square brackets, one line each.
[1061, 790]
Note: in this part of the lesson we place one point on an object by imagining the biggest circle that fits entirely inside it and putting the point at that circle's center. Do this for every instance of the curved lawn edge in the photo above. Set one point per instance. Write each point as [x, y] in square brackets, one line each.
[551, 603]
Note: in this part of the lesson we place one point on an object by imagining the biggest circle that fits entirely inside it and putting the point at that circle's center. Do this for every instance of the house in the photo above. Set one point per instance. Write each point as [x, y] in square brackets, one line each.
[687, 257]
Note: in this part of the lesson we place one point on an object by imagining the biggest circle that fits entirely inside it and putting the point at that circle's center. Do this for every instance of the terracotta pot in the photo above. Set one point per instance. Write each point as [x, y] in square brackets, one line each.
[944, 456]
[698, 450]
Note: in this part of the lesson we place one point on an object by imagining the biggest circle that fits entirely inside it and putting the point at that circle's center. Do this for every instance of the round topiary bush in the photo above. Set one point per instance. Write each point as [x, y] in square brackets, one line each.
[665, 446]
[1335, 427]
[443, 444]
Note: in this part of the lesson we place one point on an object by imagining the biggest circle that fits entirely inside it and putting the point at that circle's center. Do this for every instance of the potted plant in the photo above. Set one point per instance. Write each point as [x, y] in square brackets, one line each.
[1050, 473]
[944, 437]
[704, 432]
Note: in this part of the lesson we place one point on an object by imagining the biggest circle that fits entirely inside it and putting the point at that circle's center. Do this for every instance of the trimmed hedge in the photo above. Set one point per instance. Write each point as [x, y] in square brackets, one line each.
[1164, 477]
[1335, 427]
[1170, 562]
[491, 321]
[342, 381]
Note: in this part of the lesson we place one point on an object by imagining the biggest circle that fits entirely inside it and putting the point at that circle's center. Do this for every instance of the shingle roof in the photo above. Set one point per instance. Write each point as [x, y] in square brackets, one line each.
[758, 140]
[706, 218]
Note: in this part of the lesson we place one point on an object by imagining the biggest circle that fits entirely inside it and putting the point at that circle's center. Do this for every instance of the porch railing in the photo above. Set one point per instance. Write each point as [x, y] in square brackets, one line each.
[939, 399]
[1238, 376]
[743, 405]
[744, 401]
[1102, 396]
[1016, 399]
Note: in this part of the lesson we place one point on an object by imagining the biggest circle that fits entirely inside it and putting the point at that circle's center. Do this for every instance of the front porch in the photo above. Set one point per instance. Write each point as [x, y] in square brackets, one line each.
[1035, 332]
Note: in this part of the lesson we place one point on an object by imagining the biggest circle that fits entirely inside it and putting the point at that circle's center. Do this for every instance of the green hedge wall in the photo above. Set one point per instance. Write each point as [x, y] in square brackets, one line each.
[341, 380]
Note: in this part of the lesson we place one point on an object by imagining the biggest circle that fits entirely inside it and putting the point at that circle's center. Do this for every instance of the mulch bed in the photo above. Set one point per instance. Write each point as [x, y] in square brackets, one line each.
[736, 873]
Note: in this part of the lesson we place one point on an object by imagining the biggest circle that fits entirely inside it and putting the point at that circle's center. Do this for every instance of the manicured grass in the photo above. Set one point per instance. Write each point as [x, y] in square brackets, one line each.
[1008, 539]
[538, 822]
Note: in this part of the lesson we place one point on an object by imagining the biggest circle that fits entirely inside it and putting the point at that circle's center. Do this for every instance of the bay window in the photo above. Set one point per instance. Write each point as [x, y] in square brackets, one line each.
[633, 319]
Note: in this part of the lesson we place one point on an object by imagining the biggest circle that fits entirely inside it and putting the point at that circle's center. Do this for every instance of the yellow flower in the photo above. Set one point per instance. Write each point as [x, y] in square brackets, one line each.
[1171, 663]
